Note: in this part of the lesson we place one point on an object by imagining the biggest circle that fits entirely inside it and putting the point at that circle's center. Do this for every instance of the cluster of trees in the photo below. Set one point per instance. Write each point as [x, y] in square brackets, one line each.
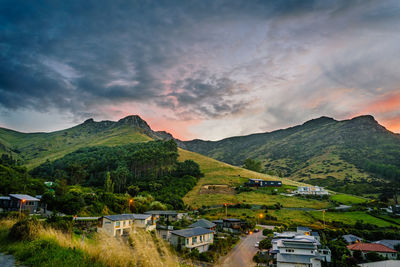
[253, 165]
[14, 178]
[148, 168]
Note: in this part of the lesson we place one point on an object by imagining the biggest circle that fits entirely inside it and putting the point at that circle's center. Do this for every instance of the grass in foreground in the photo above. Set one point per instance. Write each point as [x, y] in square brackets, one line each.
[49, 247]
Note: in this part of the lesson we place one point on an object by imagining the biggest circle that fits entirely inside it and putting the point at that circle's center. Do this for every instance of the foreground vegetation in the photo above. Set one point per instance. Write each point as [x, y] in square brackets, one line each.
[37, 244]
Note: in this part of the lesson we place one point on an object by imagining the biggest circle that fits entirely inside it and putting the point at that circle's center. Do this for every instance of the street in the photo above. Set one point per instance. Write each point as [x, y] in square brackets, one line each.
[242, 254]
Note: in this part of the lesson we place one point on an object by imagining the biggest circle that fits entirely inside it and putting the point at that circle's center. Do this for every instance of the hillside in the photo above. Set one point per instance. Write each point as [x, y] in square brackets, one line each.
[32, 149]
[343, 155]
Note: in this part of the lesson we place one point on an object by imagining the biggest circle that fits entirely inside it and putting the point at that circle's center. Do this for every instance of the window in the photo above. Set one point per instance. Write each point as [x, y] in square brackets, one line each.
[187, 241]
[201, 238]
[312, 251]
[194, 240]
[117, 224]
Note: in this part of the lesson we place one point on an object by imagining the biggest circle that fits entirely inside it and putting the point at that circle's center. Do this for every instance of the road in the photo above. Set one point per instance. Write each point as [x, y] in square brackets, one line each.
[6, 260]
[242, 254]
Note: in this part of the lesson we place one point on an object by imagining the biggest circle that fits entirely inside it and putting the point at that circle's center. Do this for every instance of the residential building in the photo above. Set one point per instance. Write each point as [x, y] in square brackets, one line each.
[17, 202]
[311, 190]
[167, 215]
[263, 183]
[232, 225]
[219, 224]
[164, 231]
[144, 221]
[352, 239]
[293, 249]
[365, 248]
[116, 225]
[389, 243]
[192, 238]
[204, 224]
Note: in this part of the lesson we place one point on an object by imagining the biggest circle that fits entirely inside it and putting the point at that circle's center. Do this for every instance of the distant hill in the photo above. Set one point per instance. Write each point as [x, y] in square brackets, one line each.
[33, 149]
[349, 155]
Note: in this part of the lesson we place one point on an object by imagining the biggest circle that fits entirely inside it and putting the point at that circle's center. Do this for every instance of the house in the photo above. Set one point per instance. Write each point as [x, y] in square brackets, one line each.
[122, 224]
[263, 183]
[116, 225]
[351, 239]
[389, 243]
[164, 231]
[19, 202]
[232, 225]
[365, 248]
[219, 224]
[204, 224]
[299, 250]
[144, 221]
[167, 215]
[387, 263]
[311, 190]
[192, 238]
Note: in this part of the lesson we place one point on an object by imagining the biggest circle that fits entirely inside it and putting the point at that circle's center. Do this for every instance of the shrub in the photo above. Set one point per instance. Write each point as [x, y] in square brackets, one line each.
[25, 229]
[266, 232]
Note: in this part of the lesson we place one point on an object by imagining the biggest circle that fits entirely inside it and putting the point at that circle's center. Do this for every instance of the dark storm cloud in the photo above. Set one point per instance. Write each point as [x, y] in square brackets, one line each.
[200, 60]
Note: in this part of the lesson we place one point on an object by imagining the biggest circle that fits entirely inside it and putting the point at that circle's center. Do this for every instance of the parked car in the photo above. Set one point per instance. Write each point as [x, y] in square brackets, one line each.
[256, 230]
[257, 244]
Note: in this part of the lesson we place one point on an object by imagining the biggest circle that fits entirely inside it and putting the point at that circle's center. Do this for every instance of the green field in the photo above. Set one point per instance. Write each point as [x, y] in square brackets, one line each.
[351, 218]
[348, 199]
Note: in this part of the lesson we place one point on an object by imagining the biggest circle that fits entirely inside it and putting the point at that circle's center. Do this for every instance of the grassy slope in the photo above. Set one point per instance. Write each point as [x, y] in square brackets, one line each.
[36, 148]
[217, 173]
[320, 151]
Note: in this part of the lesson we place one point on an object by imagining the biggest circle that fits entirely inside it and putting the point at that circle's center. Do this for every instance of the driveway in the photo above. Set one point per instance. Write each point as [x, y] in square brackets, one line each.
[242, 254]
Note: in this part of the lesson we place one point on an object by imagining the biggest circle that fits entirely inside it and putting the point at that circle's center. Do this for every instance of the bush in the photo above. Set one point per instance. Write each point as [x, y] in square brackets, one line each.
[25, 229]
[265, 244]
[266, 232]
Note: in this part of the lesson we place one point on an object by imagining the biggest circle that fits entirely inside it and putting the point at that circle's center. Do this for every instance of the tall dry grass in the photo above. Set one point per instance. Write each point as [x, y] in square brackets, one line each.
[140, 249]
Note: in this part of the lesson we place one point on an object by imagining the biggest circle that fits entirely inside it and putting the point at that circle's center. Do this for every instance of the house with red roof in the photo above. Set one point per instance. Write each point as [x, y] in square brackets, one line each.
[365, 248]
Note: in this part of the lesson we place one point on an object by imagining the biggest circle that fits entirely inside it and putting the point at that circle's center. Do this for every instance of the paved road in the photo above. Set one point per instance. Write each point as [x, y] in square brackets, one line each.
[242, 254]
[6, 260]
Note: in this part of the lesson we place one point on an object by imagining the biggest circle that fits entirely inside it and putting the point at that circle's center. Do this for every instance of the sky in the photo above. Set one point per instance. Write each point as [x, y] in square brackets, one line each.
[198, 69]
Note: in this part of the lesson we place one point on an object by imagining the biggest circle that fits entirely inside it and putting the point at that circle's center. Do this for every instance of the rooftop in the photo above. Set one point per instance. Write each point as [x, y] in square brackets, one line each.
[371, 247]
[192, 232]
[232, 220]
[161, 212]
[292, 258]
[389, 243]
[141, 216]
[203, 223]
[119, 217]
[22, 196]
[351, 238]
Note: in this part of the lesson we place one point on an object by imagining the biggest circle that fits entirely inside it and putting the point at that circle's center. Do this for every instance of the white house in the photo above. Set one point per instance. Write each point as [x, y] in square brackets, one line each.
[192, 238]
[116, 225]
[292, 249]
[311, 190]
[122, 224]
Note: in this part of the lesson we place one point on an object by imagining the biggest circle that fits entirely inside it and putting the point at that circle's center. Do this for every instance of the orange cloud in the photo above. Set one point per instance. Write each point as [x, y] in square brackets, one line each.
[388, 103]
[392, 124]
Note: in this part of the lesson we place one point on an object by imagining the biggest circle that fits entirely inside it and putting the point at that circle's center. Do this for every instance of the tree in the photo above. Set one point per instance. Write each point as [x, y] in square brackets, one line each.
[133, 190]
[253, 165]
[265, 244]
[266, 232]
[108, 184]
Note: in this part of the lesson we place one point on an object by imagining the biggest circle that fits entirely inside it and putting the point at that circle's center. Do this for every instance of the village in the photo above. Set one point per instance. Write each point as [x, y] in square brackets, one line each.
[190, 234]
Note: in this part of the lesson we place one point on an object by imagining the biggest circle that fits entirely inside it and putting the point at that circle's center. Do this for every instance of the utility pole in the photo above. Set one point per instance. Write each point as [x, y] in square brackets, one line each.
[226, 211]
[20, 206]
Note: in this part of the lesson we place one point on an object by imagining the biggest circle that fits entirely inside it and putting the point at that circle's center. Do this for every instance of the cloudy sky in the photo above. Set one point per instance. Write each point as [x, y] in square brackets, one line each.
[198, 69]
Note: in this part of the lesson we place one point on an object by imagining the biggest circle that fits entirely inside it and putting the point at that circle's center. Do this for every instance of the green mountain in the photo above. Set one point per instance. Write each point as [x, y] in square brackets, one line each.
[33, 149]
[348, 156]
